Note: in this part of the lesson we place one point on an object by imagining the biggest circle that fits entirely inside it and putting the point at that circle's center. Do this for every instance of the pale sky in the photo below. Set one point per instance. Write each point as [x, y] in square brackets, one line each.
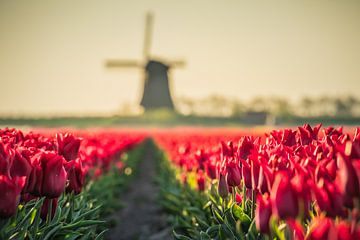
[52, 52]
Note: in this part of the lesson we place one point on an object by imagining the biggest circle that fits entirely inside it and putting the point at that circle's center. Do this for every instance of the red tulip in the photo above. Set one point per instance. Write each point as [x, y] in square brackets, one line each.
[255, 172]
[238, 198]
[200, 181]
[211, 169]
[246, 174]
[245, 147]
[233, 176]
[263, 213]
[48, 177]
[21, 166]
[34, 183]
[355, 151]
[6, 158]
[76, 176]
[68, 145]
[10, 190]
[54, 175]
[296, 229]
[347, 177]
[307, 134]
[344, 231]
[283, 197]
[322, 228]
[285, 136]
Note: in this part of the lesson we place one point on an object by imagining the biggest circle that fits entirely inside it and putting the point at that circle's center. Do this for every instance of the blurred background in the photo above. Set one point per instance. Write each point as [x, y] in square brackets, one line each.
[167, 62]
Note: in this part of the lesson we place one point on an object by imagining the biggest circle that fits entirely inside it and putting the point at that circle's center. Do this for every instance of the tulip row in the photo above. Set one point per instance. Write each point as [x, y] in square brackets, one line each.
[51, 170]
[296, 184]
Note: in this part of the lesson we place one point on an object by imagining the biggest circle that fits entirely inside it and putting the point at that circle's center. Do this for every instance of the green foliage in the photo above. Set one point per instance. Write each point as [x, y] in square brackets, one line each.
[203, 215]
[76, 217]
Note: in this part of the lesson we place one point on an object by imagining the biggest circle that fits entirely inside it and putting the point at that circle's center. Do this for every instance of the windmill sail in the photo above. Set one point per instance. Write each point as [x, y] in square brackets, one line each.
[156, 91]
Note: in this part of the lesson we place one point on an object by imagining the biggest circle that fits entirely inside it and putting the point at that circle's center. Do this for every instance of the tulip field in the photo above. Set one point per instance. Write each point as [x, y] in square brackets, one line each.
[291, 183]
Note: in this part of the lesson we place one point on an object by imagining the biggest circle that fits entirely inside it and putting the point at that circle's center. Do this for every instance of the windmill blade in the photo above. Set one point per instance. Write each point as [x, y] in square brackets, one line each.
[122, 63]
[148, 35]
[176, 63]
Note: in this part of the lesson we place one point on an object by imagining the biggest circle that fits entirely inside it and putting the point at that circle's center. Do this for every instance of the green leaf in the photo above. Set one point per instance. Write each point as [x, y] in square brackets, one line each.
[242, 217]
[28, 215]
[213, 230]
[84, 223]
[217, 214]
[51, 232]
[180, 237]
[101, 235]
[204, 236]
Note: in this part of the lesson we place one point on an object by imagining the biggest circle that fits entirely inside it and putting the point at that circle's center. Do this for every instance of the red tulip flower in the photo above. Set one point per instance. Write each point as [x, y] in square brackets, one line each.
[54, 178]
[76, 176]
[21, 165]
[200, 181]
[233, 175]
[48, 177]
[245, 147]
[10, 190]
[347, 177]
[322, 228]
[6, 158]
[283, 197]
[68, 145]
[263, 213]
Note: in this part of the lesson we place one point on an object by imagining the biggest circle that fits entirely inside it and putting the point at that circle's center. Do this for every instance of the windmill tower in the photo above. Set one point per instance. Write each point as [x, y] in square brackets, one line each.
[156, 87]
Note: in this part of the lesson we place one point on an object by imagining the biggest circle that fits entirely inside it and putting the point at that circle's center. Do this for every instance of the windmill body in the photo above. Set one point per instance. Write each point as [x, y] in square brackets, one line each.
[156, 92]
[156, 87]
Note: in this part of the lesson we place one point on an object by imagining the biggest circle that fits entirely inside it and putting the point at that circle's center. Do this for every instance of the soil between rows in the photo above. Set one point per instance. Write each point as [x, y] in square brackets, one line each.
[141, 218]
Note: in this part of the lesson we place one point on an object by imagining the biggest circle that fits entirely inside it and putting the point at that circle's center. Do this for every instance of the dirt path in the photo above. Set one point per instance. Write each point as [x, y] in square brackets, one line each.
[141, 217]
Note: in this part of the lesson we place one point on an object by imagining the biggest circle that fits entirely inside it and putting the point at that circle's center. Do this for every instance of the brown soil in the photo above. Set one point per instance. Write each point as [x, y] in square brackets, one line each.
[141, 217]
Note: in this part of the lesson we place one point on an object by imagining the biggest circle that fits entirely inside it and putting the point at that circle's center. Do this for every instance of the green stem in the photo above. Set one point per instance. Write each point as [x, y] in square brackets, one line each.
[48, 219]
[244, 196]
[253, 203]
[234, 194]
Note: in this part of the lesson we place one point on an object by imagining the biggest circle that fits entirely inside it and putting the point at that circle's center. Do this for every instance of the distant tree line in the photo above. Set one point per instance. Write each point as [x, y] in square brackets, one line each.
[322, 106]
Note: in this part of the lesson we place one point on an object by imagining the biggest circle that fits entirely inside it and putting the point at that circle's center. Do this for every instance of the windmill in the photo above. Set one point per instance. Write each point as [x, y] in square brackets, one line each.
[156, 90]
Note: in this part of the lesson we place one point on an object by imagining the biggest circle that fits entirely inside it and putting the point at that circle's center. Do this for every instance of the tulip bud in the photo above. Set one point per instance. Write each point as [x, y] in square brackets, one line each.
[223, 188]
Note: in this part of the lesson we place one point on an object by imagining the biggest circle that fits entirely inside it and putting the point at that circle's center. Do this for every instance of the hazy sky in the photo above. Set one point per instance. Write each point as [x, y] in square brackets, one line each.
[52, 52]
